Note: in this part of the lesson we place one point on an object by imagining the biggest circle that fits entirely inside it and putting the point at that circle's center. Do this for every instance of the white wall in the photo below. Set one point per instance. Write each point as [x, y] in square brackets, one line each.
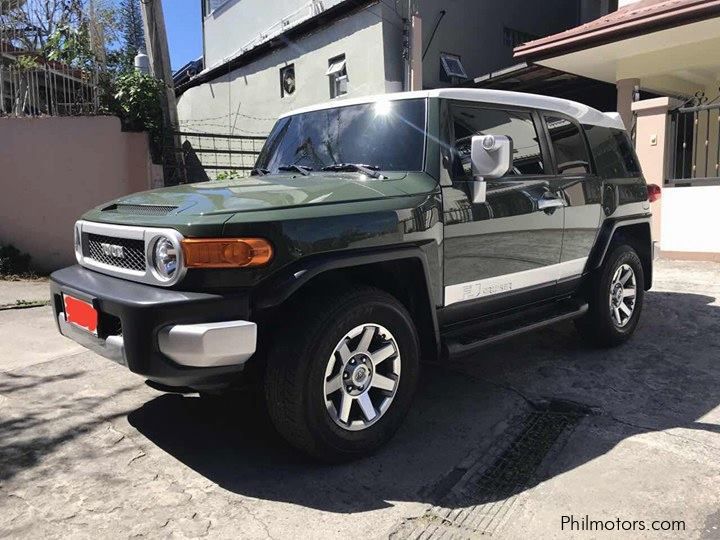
[247, 100]
[690, 220]
[239, 23]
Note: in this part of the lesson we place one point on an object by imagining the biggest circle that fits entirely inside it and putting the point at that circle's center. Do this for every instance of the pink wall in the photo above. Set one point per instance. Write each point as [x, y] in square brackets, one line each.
[54, 169]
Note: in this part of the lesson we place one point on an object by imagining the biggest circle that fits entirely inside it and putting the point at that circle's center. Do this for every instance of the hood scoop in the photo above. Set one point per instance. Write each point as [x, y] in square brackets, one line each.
[140, 209]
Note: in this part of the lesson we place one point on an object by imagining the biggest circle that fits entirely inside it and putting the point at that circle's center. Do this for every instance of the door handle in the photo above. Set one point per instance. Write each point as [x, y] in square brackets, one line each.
[549, 203]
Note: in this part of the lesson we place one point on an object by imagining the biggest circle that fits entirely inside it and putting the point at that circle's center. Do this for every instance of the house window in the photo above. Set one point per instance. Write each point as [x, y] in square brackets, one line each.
[512, 37]
[337, 73]
[451, 68]
[287, 80]
[211, 5]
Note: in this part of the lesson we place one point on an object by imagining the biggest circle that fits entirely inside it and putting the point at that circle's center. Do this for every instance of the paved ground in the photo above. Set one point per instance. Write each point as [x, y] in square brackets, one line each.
[33, 291]
[504, 444]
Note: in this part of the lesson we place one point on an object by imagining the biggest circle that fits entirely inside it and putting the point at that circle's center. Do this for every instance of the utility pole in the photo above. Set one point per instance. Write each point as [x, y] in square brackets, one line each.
[416, 63]
[413, 60]
[159, 55]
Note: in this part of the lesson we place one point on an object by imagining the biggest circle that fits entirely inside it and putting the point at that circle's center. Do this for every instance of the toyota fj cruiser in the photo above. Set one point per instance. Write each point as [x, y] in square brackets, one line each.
[372, 233]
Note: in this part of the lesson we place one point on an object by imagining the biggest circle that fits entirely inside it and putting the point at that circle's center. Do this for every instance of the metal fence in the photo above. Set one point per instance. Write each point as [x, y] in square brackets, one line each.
[33, 84]
[694, 151]
[208, 156]
[46, 90]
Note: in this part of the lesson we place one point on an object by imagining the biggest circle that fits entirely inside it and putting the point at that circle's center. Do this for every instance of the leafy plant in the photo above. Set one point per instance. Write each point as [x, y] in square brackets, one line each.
[137, 103]
[26, 63]
[227, 175]
[71, 46]
[13, 261]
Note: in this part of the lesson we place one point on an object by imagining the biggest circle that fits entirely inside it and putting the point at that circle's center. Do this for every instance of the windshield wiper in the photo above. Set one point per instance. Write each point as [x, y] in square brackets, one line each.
[259, 171]
[369, 170]
[302, 169]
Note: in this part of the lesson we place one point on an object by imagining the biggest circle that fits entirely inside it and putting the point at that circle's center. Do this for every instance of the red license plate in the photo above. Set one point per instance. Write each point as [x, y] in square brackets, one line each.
[81, 313]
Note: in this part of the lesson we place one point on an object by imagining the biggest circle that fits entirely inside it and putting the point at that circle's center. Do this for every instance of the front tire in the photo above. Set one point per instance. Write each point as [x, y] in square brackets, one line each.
[615, 300]
[340, 383]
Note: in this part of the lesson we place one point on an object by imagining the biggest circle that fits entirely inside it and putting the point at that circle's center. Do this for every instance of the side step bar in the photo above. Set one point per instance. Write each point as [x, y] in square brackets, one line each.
[470, 341]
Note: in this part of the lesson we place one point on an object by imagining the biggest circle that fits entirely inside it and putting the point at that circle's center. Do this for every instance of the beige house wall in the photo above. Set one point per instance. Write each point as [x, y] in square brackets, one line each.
[54, 169]
[684, 220]
[651, 147]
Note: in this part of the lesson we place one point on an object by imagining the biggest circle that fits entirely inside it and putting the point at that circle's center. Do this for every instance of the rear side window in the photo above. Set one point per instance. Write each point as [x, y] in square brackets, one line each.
[613, 152]
[568, 143]
[518, 126]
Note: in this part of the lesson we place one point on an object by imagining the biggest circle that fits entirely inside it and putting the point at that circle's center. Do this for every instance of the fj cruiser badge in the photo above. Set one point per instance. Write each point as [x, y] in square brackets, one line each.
[112, 250]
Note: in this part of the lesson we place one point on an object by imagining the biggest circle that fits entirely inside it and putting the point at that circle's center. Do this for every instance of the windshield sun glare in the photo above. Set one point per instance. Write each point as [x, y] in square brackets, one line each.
[385, 135]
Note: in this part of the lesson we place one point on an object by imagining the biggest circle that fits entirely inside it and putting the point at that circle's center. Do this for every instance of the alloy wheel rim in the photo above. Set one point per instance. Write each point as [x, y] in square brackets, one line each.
[623, 295]
[362, 377]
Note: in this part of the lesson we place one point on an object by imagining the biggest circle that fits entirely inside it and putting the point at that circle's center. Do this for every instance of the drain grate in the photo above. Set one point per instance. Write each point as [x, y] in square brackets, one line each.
[481, 499]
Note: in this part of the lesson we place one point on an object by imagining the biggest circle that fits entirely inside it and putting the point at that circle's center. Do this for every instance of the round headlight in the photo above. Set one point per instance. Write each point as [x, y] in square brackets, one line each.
[165, 257]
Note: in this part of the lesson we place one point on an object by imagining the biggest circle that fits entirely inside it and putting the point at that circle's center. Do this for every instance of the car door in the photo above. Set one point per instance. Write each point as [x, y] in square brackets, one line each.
[501, 252]
[581, 190]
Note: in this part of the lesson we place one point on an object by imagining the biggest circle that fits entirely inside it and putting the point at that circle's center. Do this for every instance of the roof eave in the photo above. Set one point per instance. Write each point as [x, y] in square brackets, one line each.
[618, 32]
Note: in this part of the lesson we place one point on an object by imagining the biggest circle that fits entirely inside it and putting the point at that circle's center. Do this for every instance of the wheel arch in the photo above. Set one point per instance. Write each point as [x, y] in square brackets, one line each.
[401, 272]
[633, 232]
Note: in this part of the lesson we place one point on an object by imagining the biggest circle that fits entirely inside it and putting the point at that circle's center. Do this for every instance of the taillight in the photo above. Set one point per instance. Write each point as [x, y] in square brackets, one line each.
[654, 192]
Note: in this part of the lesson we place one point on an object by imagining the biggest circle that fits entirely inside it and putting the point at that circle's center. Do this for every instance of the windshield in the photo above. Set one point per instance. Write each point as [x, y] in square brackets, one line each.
[387, 135]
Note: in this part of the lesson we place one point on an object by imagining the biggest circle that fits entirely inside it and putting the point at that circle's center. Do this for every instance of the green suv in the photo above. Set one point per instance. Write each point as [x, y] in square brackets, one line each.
[372, 234]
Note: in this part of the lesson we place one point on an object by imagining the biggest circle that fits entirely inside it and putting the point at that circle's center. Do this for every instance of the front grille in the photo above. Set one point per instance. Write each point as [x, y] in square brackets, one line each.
[133, 252]
[140, 209]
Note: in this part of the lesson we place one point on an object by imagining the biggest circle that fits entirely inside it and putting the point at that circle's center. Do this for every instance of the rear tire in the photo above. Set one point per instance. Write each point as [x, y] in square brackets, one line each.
[340, 379]
[615, 300]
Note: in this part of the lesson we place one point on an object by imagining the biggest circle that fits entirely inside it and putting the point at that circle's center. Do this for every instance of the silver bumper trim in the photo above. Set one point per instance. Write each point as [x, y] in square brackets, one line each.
[112, 348]
[209, 344]
[193, 345]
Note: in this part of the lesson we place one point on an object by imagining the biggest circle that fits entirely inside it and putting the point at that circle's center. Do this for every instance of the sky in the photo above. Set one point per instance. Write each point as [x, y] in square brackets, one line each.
[183, 24]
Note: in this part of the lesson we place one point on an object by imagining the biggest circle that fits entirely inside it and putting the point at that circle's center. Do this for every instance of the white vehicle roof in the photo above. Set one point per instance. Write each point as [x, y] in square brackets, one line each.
[582, 113]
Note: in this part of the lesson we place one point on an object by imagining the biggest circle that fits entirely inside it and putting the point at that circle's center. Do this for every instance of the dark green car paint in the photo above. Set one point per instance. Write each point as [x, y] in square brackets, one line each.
[338, 220]
[327, 212]
[300, 215]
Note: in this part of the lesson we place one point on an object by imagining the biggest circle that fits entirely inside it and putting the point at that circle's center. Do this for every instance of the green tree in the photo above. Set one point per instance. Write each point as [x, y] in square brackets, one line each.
[131, 28]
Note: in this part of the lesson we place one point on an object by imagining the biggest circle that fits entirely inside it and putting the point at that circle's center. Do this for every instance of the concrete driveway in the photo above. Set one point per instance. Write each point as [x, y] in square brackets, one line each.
[535, 438]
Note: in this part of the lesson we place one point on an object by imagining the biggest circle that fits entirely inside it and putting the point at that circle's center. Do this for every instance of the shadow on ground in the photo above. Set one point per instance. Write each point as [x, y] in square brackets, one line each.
[665, 377]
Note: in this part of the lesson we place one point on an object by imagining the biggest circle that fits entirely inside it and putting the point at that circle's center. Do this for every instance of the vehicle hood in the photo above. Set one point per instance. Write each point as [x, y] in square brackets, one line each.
[272, 192]
[258, 193]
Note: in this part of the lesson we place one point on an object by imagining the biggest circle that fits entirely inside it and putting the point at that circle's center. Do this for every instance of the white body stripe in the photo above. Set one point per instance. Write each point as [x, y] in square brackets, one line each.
[511, 282]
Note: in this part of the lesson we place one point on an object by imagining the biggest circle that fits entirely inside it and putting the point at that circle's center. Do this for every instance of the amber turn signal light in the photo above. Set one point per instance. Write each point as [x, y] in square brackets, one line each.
[226, 252]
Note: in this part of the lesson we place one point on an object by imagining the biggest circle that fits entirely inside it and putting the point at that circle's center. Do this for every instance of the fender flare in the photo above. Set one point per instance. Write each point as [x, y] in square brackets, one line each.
[280, 287]
[605, 237]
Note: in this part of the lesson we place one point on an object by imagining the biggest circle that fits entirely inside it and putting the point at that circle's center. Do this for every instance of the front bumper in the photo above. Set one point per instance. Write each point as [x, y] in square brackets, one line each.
[175, 338]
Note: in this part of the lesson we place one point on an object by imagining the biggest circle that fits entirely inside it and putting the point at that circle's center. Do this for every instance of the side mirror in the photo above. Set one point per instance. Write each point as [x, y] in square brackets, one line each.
[491, 157]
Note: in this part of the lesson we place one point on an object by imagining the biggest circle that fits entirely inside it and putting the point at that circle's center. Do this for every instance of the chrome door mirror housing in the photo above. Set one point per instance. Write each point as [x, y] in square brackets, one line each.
[491, 156]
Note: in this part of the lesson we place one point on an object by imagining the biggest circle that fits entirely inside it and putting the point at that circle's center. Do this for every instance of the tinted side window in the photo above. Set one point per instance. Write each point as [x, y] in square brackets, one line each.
[518, 126]
[613, 152]
[570, 150]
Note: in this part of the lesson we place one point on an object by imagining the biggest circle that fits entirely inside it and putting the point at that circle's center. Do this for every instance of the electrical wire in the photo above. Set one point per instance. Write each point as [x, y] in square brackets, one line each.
[432, 35]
